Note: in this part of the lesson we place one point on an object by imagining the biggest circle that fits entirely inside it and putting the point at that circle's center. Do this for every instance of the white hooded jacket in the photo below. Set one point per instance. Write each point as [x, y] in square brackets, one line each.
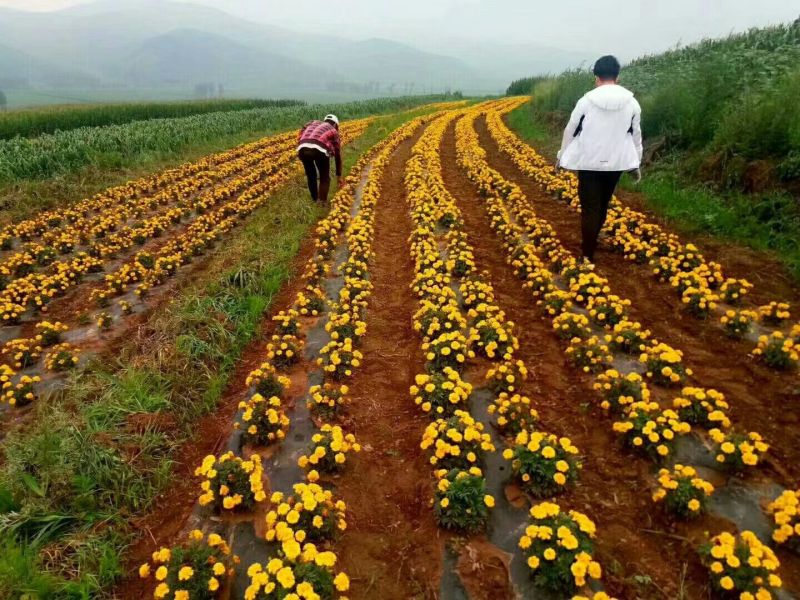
[604, 132]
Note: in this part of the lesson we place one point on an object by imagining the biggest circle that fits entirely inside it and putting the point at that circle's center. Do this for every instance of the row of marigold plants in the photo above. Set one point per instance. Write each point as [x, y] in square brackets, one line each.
[460, 322]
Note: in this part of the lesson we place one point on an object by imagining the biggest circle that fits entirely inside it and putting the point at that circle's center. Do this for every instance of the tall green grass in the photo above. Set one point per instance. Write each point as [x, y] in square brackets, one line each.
[728, 102]
[29, 122]
[116, 146]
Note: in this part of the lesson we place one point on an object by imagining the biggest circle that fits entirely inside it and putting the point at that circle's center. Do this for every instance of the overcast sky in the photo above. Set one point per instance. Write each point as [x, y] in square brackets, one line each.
[625, 27]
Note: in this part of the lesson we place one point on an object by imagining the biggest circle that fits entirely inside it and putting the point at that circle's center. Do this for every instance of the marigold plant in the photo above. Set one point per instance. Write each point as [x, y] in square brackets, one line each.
[778, 351]
[590, 354]
[543, 463]
[571, 325]
[507, 376]
[664, 364]
[628, 337]
[733, 290]
[267, 381]
[774, 313]
[263, 421]
[650, 430]
[311, 301]
[607, 311]
[339, 358]
[21, 352]
[195, 571]
[231, 482]
[558, 548]
[61, 357]
[704, 407]
[785, 513]
[741, 566]
[587, 286]
[738, 323]
[310, 576]
[682, 492]
[431, 319]
[284, 350]
[309, 513]
[514, 413]
[447, 350]
[287, 322]
[21, 393]
[619, 391]
[330, 447]
[735, 450]
[461, 502]
[556, 302]
[327, 399]
[440, 393]
[49, 334]
[456, 442]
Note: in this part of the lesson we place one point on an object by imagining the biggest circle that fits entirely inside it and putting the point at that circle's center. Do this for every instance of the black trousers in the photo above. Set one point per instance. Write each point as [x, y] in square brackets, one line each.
[316, 162]
[595, 189]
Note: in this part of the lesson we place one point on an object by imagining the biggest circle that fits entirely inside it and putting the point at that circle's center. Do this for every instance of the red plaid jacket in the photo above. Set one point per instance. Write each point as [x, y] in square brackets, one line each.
[321, 133]
[325, 135]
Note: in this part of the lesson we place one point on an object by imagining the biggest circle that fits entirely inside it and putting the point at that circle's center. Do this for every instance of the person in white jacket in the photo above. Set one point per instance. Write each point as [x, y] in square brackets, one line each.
[602, 140]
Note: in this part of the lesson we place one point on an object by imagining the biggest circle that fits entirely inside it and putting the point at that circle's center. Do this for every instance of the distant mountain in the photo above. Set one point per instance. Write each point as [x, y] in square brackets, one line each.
[21, 70]
[188, 56]
[163, 44]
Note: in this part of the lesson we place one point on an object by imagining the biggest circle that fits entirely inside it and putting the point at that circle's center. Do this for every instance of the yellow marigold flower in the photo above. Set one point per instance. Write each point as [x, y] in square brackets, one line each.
[285, 577]
[144, 571]
[342, 582]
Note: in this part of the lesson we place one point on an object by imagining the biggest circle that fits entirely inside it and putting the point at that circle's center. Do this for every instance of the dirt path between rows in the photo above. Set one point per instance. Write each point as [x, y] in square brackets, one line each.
[392, 547]
[761, 399]
[612, 488]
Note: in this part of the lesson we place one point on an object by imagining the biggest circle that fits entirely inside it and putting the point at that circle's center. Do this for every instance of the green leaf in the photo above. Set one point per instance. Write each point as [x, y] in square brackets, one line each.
[33, 485]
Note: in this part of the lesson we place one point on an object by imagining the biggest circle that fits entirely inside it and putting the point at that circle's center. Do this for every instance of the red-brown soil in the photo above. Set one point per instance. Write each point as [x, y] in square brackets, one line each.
[392, 548]
[613, 488]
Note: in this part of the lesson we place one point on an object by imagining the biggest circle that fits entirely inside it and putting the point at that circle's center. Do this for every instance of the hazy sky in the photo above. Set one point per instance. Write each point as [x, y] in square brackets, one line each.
[624, 27]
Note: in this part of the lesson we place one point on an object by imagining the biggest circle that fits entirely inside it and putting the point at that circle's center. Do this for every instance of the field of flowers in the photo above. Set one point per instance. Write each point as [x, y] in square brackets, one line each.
[445, 402]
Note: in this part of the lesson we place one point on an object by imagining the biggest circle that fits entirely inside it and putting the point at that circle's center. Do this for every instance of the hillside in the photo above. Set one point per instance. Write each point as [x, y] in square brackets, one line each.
[160, 43]
[184, 57]
[18, 68]
[722, 142]
[721, 102]
[172, 46]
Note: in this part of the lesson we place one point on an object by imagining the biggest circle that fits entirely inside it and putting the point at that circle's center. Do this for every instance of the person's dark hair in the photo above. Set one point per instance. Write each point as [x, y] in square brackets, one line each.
[606, 67]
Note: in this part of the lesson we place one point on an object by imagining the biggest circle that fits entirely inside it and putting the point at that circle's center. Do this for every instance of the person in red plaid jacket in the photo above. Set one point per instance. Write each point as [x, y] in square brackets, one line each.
[317, 141]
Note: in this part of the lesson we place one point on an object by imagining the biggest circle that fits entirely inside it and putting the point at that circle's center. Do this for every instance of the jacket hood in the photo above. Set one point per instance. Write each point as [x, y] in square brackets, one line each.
[609, 97]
